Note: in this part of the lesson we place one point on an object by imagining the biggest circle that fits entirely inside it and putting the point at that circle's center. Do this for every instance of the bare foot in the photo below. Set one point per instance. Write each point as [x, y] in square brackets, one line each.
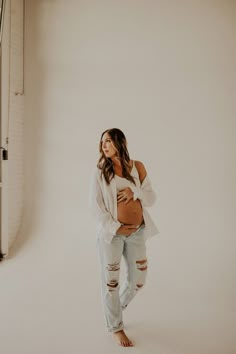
[122, 339]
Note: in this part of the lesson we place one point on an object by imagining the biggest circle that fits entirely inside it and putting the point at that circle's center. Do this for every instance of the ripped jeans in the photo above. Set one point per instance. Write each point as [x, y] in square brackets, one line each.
[116, 298]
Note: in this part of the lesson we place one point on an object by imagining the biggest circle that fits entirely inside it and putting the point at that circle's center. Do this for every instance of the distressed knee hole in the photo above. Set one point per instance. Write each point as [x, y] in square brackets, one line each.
[139, 285]
[113, 283]
[142, 261]
[143, 268]
[113, 266]
[141, 264]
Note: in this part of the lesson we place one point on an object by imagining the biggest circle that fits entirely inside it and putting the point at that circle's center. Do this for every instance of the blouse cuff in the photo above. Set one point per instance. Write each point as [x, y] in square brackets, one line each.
[138, 193]
[116, 225]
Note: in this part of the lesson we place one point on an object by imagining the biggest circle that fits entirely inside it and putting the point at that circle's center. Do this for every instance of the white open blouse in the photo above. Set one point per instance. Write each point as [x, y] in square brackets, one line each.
[103, 204]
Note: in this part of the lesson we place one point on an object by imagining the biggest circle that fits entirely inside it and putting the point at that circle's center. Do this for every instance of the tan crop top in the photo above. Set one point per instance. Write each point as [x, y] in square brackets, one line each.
[122, 182]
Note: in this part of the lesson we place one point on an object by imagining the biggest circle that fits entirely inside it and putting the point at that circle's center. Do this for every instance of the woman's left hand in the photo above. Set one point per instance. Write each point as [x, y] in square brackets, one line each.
[125, 195]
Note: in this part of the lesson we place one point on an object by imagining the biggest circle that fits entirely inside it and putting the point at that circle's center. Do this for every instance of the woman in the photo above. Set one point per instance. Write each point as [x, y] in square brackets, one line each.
[119, 192]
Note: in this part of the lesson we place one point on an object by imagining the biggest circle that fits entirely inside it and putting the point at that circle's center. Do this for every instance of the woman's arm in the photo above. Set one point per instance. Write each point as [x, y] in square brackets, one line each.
[145, 192]
[98, 209]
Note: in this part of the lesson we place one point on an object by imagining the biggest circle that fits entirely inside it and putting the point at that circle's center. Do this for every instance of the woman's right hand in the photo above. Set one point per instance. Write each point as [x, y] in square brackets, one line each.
[126, 229]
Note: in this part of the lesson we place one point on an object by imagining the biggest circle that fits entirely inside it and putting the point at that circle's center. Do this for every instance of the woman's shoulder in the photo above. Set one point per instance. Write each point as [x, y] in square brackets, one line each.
[138, 163]
[141, 169]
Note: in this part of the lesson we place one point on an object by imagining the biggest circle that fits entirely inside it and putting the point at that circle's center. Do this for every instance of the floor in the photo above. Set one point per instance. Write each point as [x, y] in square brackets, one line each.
[50, 303]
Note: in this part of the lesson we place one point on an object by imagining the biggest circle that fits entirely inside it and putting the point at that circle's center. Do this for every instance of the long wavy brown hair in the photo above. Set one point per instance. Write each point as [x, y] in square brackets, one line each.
[105, 163]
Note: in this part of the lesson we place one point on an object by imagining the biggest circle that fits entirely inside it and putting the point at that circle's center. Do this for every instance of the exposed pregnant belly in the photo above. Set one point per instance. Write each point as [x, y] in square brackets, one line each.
[130, 213]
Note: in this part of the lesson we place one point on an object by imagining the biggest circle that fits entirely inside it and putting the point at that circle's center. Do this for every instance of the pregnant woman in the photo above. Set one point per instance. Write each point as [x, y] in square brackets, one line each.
[119, 194]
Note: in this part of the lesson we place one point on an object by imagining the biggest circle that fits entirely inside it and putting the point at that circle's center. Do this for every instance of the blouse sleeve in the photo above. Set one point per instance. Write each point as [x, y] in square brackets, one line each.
[145, 192]
[98, 209]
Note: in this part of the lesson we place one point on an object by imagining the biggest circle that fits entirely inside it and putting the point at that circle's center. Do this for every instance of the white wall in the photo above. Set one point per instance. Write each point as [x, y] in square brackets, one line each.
[164, 73]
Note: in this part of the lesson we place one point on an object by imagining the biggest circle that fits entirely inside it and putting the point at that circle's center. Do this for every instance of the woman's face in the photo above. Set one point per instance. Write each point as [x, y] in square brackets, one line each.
[108, 146]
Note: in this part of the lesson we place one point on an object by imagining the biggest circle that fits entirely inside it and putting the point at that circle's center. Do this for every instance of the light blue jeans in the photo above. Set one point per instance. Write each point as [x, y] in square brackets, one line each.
[116, 298]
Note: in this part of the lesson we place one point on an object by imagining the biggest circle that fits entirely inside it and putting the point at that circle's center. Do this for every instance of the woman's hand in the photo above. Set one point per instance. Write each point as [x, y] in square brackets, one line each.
[125, 195]
[127, 229]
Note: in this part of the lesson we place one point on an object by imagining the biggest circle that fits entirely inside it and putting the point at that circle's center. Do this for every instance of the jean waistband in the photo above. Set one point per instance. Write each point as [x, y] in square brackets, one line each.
[137, 227]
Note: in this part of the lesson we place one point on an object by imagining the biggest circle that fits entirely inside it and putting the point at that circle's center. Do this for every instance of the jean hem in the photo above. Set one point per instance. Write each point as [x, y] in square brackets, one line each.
[110, 331]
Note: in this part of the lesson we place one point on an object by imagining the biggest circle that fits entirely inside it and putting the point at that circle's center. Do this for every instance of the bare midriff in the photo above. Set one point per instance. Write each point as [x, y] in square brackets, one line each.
[130, 213]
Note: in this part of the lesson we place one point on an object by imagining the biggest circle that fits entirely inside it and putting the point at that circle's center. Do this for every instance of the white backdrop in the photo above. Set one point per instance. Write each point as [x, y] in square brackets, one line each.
[164, 73]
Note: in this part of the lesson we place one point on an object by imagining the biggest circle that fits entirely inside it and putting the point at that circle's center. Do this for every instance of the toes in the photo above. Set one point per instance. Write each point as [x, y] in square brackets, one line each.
[125, 342]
